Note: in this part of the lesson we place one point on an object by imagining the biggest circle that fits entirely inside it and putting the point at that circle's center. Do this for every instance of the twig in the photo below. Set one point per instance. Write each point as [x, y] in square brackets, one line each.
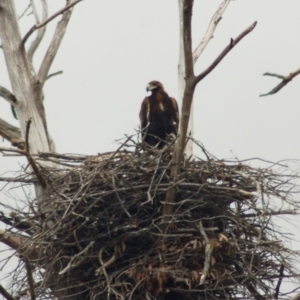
[209, 248]
[274, 75]
[30, 159]
[271, 213]
[30, 279]
[6, 294]
[102, 269]
[106, 264]
[70, 266]
[37, 26]
[54, 74]
[24, 12]
[284, 82]
[150, 199]
[118, 196]
[277, 289]
[233, 42]
[28, 123]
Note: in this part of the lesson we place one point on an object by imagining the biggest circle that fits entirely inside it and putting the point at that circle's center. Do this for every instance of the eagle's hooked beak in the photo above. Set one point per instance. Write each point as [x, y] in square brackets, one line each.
[150, 87]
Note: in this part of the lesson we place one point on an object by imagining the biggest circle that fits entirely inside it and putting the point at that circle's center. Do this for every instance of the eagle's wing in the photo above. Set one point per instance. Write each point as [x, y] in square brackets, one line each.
[176, 111]
[144, 114]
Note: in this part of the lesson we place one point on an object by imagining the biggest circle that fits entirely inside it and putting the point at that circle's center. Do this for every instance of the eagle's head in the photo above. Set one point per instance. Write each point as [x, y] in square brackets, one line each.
[154, 86]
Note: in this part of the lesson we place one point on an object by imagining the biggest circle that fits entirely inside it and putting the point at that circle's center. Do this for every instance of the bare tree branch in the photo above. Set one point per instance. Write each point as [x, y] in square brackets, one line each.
[277, 289]
[7, 95]
[41, 32]
[30, 159]
[225, 52]
[209, 247]
[10, 97]
[185, 11]
[6, 294]
[210, 30]
[16, 221]
[54, 74]
[197, 52]
[27, 135]
[37, 26]
[16, 241]
[56, 41]
[12, 134]
[284, 82]
[24, 12]
[30, 279]
[9, 133]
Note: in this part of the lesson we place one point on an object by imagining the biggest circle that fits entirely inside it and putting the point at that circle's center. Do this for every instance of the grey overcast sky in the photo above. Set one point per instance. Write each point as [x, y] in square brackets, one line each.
[113, 48]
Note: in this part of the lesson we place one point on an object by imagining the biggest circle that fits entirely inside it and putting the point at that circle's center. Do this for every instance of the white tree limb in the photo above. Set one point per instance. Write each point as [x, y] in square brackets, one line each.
[41, 31]
[56, 41]
[22, 78]
[210, 30]
[37, 26]
[18, 243]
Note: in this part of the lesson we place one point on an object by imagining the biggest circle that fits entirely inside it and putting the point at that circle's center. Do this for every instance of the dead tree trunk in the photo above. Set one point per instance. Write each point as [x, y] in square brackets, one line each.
[26, 88]
[26, 98]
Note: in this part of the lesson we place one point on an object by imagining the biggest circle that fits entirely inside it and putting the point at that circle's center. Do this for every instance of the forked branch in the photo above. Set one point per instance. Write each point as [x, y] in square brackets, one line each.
[233, 42]
[284, 82]
[30, 279]
[185, 11]
[45, 22]
[56, 41]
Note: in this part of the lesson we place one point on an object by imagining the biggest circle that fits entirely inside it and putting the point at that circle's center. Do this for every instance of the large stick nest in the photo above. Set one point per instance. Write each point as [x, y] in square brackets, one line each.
[101, 233]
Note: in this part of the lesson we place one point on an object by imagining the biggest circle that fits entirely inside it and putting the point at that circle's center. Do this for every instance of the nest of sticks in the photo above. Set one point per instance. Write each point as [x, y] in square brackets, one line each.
[100, 228]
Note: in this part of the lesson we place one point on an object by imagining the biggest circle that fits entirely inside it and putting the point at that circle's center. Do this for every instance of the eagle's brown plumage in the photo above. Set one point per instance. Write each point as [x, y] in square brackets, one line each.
[159, 115]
